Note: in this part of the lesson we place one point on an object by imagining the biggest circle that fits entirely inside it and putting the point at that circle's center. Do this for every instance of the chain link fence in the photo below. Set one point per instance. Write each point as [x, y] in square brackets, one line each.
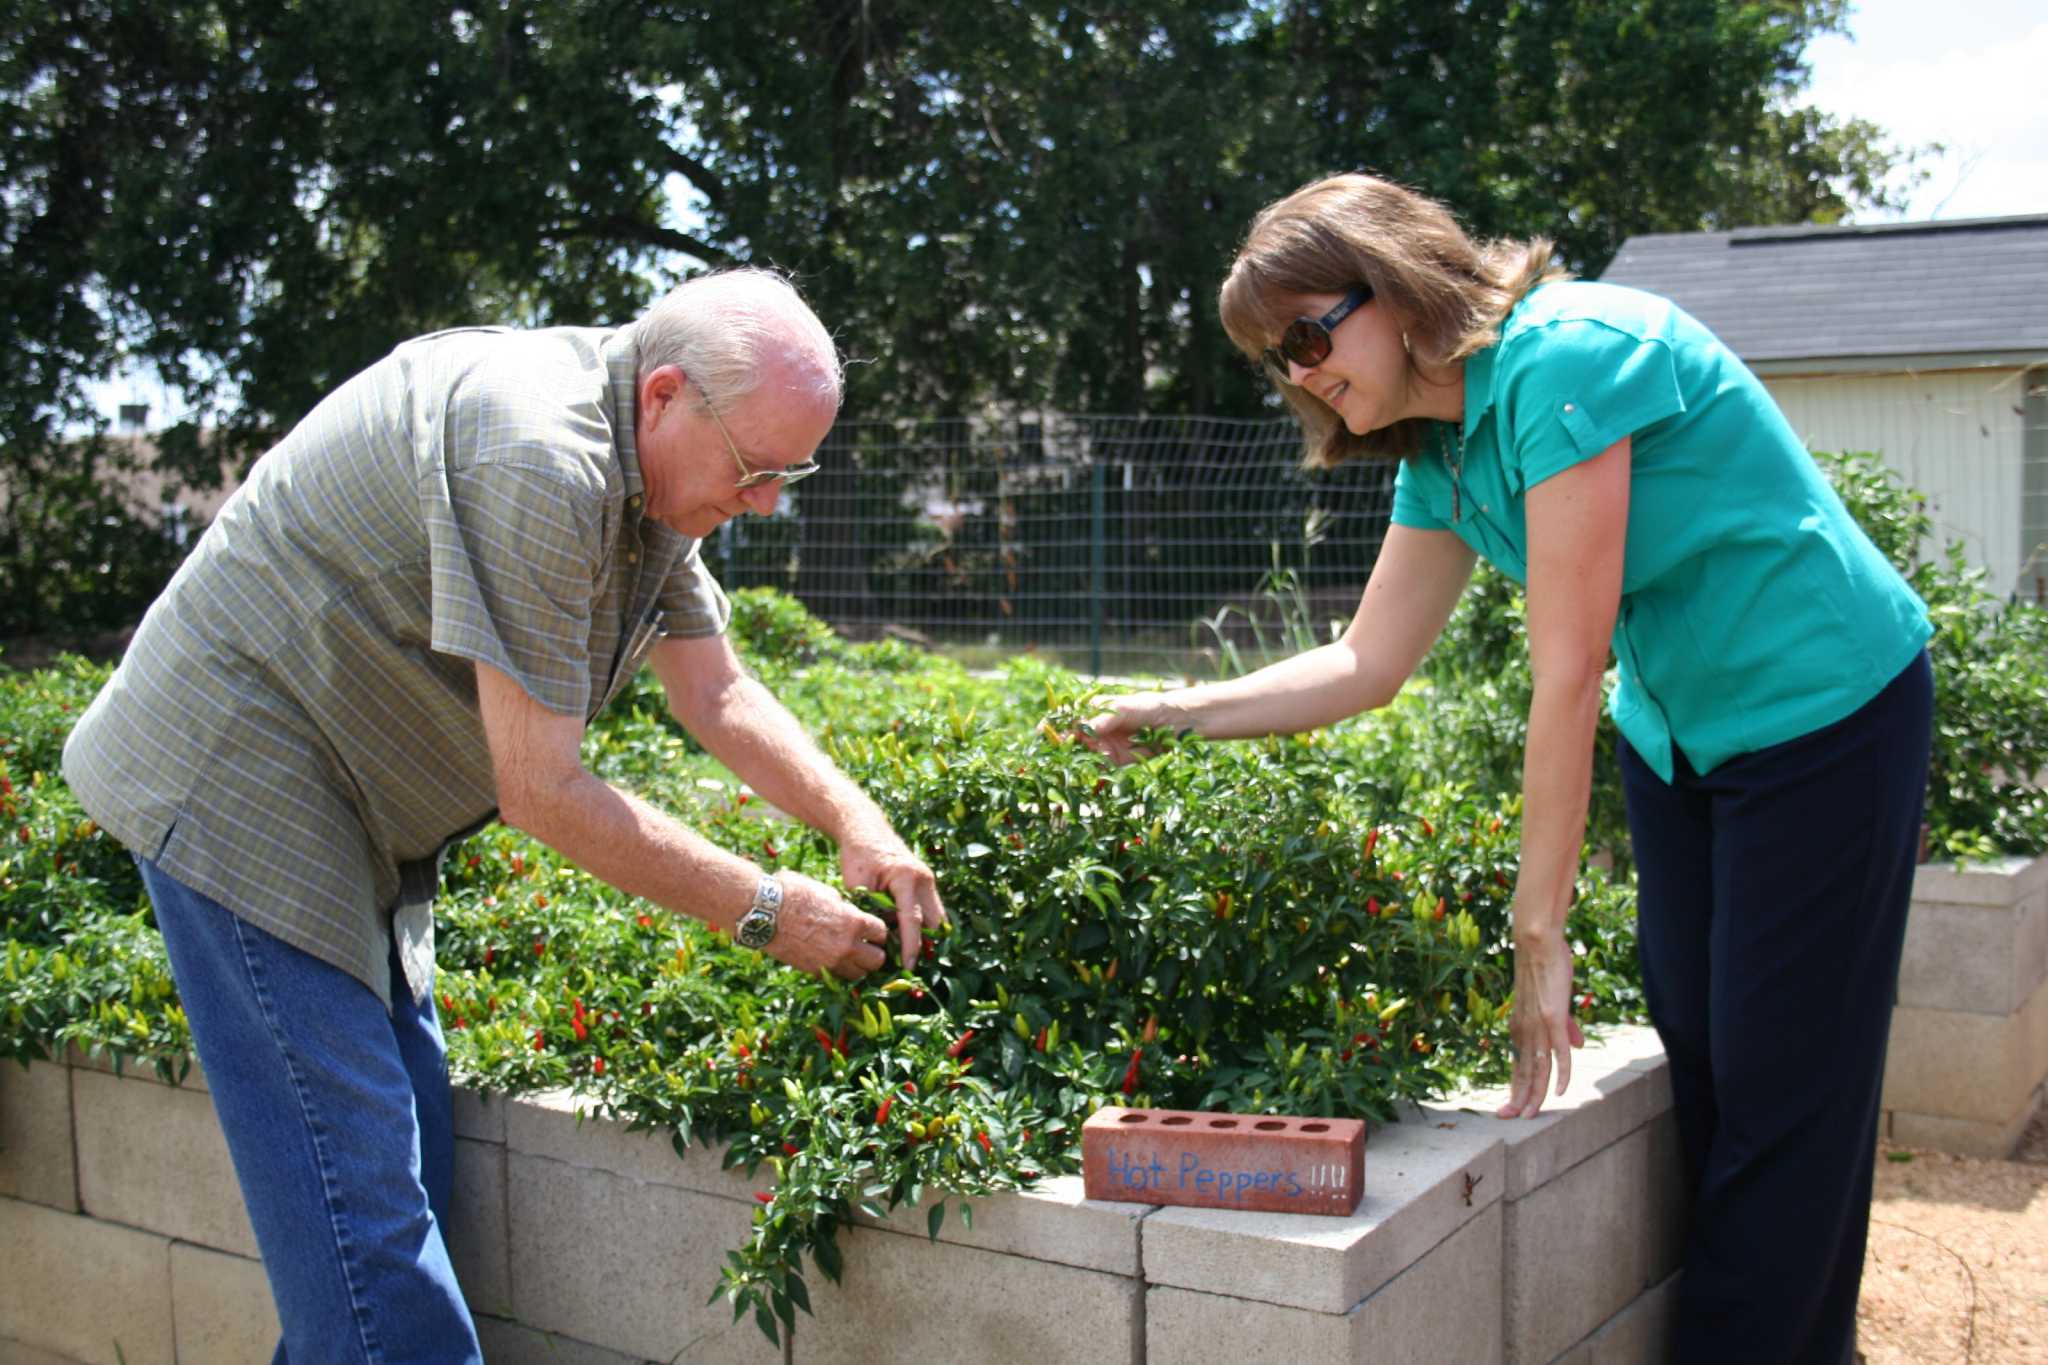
[1115, 545]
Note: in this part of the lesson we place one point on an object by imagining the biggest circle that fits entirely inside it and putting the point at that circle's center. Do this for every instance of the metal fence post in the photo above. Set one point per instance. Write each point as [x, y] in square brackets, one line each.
[1097, 538]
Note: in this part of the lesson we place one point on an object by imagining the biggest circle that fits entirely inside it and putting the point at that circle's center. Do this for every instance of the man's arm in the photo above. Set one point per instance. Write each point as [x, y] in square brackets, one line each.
[744, 727]
[544, 789]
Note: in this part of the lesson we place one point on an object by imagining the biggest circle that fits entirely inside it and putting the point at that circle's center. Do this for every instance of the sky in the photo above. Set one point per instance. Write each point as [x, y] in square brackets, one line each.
[1965, 73]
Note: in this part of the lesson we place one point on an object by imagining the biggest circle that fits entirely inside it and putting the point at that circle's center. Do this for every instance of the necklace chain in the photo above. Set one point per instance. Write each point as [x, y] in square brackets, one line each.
[1454, 456]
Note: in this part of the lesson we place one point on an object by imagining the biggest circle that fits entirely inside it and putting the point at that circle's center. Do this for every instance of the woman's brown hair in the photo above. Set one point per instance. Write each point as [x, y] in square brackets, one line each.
[1334, 234]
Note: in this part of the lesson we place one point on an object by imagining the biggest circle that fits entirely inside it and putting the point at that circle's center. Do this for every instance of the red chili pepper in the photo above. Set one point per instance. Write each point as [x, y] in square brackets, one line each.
[910, 1087]
[882, 1112]
[839, 1043]
[1041, 1037]
[1372, 907]
[447, 1003]
[1151, 1028]
[743, 799]
[576, 1006]
[1131, 1071]
[982, 1138]
[1429, 829]
[461, 1023]
[597, 1067]
[790, 1149]
[1439, 908]
[540, 1041]
[540, 902]
[540, 947]
[644, 921]
[764, 1196]
[576, 1026]
[769, 849]
[959, 1045]
[489, 954]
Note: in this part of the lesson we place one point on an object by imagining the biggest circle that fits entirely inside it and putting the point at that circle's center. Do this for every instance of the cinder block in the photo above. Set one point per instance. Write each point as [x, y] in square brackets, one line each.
[1582, 1247]
[222, 1307]
[1620, 1082]
[1264, 1163]
[1639, 1334]
[36, 1158]
[1965, 1137]
[1445, 1307]
[905, 1298]
[2001, 881]
[509, 1343]
[82, 1289]
[1981, 1067]
[556, 1125]
[21, 1353]
[476, 1236]
[625, 1264]
[1054, 1222]
[152, 1156]
[1966, 957]
[1425, 1182]
[479, 1115]
[182, 1072]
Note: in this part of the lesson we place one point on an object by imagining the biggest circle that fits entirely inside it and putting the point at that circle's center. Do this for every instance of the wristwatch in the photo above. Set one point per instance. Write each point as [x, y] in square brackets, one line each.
[756, 928]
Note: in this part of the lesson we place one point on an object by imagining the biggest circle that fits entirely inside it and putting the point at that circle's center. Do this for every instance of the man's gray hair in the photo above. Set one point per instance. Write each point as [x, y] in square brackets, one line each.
[722, 329]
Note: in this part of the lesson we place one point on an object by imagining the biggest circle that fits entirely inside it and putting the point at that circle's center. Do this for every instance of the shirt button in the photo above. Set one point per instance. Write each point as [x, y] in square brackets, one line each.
[632, 556]
[633, 501]
[1568, 407]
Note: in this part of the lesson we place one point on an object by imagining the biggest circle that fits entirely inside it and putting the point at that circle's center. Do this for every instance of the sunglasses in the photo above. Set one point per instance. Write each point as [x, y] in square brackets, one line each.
[1306, 342]
[754, 478]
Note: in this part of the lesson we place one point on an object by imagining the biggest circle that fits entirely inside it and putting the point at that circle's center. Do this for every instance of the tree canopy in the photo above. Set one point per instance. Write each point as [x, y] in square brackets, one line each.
[989, 201]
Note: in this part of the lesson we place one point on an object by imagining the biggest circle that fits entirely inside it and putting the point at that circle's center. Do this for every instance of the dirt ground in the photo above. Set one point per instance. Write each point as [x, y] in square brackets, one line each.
[1957, 1269]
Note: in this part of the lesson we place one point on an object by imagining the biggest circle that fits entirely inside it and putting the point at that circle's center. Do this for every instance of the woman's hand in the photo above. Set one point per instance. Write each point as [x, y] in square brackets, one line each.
[1111, 731]
[1543, 1029]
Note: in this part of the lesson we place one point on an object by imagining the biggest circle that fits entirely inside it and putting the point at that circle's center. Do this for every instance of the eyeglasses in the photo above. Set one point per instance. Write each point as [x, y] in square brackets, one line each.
[754, 478]
[1306, 341]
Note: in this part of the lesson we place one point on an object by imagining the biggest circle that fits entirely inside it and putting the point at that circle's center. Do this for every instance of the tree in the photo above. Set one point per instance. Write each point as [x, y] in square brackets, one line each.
[1019, 203]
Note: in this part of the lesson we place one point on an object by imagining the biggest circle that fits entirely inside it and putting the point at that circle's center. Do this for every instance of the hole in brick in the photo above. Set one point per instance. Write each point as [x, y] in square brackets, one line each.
[1131, 1118]
[1176, 1121]
[1223, 1123]
[1315, 1127]
[1269, 1126]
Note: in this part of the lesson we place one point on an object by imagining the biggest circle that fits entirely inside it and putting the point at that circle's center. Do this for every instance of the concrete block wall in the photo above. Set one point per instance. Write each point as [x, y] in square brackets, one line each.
[1968, 1062]
[122, 1237]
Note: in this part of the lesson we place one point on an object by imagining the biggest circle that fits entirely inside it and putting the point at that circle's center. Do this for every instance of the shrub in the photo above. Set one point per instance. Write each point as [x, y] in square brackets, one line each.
[1984, 794]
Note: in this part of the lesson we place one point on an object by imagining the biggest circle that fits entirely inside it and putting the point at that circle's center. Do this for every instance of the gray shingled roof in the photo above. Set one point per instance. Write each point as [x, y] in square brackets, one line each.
[1973, 287]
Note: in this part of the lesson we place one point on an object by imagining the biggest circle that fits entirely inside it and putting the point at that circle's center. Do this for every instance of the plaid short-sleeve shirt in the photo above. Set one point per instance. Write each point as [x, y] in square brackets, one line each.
[294, 730]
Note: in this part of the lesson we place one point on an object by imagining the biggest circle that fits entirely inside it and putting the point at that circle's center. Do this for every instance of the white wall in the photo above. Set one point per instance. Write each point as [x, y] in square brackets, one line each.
[1957, 436]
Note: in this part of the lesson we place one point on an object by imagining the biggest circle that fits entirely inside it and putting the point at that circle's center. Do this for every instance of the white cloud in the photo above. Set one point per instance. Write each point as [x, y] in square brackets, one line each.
[1981, 99]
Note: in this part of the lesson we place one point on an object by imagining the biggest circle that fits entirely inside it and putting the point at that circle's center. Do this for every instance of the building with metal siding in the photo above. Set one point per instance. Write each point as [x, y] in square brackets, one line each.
[1925, 342]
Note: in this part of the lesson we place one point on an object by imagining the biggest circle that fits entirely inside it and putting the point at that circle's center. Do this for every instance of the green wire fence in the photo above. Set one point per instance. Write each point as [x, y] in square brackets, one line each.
[1114, 544]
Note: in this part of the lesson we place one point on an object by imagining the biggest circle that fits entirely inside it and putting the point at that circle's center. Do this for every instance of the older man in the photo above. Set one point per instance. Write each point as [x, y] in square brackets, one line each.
[396, 631]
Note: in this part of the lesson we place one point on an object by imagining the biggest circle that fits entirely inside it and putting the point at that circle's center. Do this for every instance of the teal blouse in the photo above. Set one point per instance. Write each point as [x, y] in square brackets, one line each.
[1753, 608]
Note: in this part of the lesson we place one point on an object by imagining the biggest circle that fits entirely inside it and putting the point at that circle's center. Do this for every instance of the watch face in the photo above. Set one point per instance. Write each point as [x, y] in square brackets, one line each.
[756, 929]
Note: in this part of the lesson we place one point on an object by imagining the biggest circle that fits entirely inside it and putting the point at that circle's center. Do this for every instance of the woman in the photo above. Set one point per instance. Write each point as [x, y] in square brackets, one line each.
[1774, 696]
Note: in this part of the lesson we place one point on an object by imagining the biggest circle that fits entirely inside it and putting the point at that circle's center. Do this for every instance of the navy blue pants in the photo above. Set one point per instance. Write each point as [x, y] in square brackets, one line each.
[1773, 905]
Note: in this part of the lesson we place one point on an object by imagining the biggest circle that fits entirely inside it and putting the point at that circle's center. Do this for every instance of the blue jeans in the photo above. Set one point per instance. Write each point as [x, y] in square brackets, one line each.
[1773, 896]
[337, 1116]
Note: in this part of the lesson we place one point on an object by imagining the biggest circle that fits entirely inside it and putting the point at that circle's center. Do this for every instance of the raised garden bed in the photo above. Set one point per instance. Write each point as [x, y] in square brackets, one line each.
[577, 1241]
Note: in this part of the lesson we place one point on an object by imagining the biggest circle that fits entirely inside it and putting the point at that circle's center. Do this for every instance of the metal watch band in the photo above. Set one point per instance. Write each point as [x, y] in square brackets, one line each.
[756, 928]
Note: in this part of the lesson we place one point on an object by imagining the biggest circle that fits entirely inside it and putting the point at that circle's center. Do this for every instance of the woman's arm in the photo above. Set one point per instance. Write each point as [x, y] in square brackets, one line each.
[1578, 530]
[1414, 585]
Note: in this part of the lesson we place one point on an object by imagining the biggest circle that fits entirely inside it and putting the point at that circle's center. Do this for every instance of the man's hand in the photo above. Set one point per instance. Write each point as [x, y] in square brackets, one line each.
[882, 862]
[817, 929]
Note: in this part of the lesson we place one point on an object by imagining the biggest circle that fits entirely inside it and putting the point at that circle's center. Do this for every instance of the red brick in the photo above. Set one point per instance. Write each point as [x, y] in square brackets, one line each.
[1224, 1161]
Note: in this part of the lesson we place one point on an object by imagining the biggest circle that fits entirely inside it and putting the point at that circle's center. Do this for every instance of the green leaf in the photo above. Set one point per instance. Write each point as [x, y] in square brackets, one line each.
[935, 1219]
